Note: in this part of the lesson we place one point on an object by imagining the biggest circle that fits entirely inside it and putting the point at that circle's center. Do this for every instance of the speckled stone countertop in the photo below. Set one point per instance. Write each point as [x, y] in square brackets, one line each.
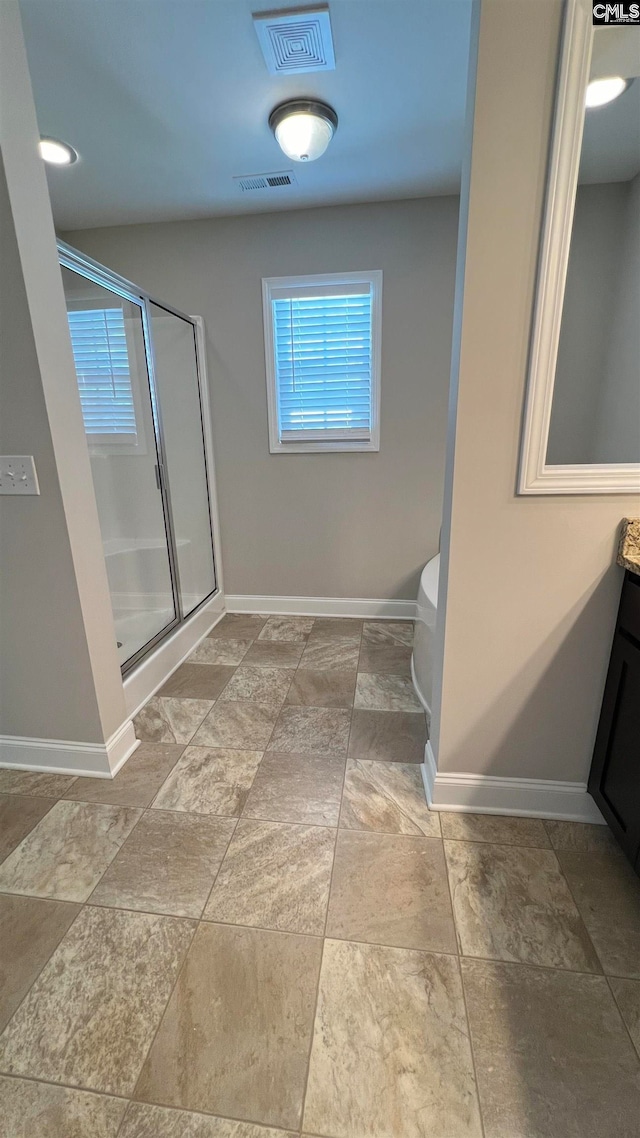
[629, 545]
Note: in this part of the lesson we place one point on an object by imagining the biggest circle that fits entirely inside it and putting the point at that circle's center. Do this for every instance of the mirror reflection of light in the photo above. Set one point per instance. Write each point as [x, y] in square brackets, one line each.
[57, 153]
[603, 91]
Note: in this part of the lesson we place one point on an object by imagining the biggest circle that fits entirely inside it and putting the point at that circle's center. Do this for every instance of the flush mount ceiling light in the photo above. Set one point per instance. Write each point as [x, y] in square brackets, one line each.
[57, 153]
[303, 128]
[603, 91]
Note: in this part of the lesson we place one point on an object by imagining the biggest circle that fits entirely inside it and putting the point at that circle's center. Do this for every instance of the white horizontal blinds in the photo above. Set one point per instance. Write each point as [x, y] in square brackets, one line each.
[322, 347]
[100, 352]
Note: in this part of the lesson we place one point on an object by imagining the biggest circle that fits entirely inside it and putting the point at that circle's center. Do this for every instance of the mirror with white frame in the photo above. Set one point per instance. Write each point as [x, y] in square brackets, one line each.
[582, 419]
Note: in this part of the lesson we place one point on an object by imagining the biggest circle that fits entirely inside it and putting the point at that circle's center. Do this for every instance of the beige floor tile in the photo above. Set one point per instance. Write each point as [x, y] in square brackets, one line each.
[170, 720]
[207, 781]
[340, 626]
[387, 797]
[274, 654]
[214, 650]
[292, 628]
[167, 865]
[391, 1055]
[145, 1121]
[235, 1037]
[33, 782]
[66, 854]
[259, 685]
[40, 1110]
[311, 688]
[387, 632]
[297, 788]
[30, 929]
[19, 813]
[391, 890]
[91, 1015]
[312, 730]
[331, 654]
[136, 782]
[386, 693]
[385, 736]
[577, 836]
[553, 1059]
[275, 876]
[240, 725]
[512, 903]
[627, 996]
[496, 828]
[607, 893]
[198, 681]
[238, 626]
[382, 658]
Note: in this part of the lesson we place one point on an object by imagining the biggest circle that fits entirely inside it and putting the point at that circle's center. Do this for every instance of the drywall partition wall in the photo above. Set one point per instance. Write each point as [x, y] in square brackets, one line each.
[532, 586]
[321, 525]
[59, 675]
[40, 618]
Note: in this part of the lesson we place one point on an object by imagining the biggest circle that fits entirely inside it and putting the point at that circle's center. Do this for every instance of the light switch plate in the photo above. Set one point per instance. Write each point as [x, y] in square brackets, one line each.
[18, 474]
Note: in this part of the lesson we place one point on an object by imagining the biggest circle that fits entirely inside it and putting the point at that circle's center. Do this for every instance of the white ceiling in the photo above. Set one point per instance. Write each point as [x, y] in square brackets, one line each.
[167, 100]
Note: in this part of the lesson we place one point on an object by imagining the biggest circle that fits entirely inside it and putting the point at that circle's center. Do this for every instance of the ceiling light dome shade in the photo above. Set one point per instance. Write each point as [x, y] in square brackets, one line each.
[603, 91]
[57, 153]
[303, 128]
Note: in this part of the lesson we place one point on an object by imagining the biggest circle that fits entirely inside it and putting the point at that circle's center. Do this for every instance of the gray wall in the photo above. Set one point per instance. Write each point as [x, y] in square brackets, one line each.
[533, 586]
[59, 674]
[342, 525]
[46, 684]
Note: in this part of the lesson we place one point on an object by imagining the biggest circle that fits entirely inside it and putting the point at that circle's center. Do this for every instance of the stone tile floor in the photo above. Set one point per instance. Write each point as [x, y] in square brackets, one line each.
[258, 929]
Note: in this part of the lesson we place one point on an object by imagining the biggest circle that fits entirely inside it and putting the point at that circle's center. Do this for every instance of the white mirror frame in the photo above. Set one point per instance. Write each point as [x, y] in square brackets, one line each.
[535, 476]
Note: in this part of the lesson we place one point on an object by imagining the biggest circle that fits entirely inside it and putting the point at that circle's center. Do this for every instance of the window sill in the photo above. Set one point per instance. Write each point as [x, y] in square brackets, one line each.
[326, 445]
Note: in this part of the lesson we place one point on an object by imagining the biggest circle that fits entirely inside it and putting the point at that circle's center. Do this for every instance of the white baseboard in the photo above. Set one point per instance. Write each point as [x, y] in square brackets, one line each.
[490, 794]
[324, 606]
[57, 756]
[121, 746]
[155, 669]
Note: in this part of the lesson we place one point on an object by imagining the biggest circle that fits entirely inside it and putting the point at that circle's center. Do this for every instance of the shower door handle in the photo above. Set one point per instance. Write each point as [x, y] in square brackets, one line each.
[158, 477]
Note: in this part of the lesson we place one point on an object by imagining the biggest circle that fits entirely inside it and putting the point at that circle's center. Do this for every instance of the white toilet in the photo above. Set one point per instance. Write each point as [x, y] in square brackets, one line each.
[423, 641]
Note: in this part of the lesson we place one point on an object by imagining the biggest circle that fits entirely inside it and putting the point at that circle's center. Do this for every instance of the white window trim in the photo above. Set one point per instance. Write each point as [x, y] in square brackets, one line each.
[341, 441]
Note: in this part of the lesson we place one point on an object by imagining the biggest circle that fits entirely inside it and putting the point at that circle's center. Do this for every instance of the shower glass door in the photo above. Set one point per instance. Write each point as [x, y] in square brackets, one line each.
[175, 367]
[110, 348]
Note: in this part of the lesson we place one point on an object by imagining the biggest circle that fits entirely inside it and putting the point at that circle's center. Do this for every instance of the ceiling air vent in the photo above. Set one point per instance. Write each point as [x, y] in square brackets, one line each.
[265, 181]
[296, 42]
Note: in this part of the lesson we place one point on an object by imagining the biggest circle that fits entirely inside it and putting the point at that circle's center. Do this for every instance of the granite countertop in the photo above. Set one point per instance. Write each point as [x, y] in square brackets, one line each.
[629, 545]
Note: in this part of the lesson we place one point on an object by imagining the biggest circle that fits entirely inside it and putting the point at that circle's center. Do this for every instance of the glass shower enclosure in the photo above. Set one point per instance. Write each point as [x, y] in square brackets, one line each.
[140, 378]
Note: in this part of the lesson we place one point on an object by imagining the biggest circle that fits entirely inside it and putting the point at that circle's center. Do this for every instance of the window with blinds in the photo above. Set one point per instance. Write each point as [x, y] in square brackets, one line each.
[101, 357]
[322, 342]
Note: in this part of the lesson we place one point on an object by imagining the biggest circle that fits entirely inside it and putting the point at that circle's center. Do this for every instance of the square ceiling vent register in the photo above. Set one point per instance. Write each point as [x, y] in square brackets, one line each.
[296, 42]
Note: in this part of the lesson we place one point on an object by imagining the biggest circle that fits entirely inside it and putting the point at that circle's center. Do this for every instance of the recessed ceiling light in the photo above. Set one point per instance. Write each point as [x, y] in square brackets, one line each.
[303, 128]
[57, 153]
[602, 91]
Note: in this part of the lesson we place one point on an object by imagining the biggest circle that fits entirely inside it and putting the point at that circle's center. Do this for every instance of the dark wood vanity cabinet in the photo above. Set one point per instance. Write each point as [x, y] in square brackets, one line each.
[614, 781]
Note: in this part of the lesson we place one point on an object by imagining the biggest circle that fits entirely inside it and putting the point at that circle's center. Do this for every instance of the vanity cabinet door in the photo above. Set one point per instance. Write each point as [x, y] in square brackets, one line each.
[615, 774]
